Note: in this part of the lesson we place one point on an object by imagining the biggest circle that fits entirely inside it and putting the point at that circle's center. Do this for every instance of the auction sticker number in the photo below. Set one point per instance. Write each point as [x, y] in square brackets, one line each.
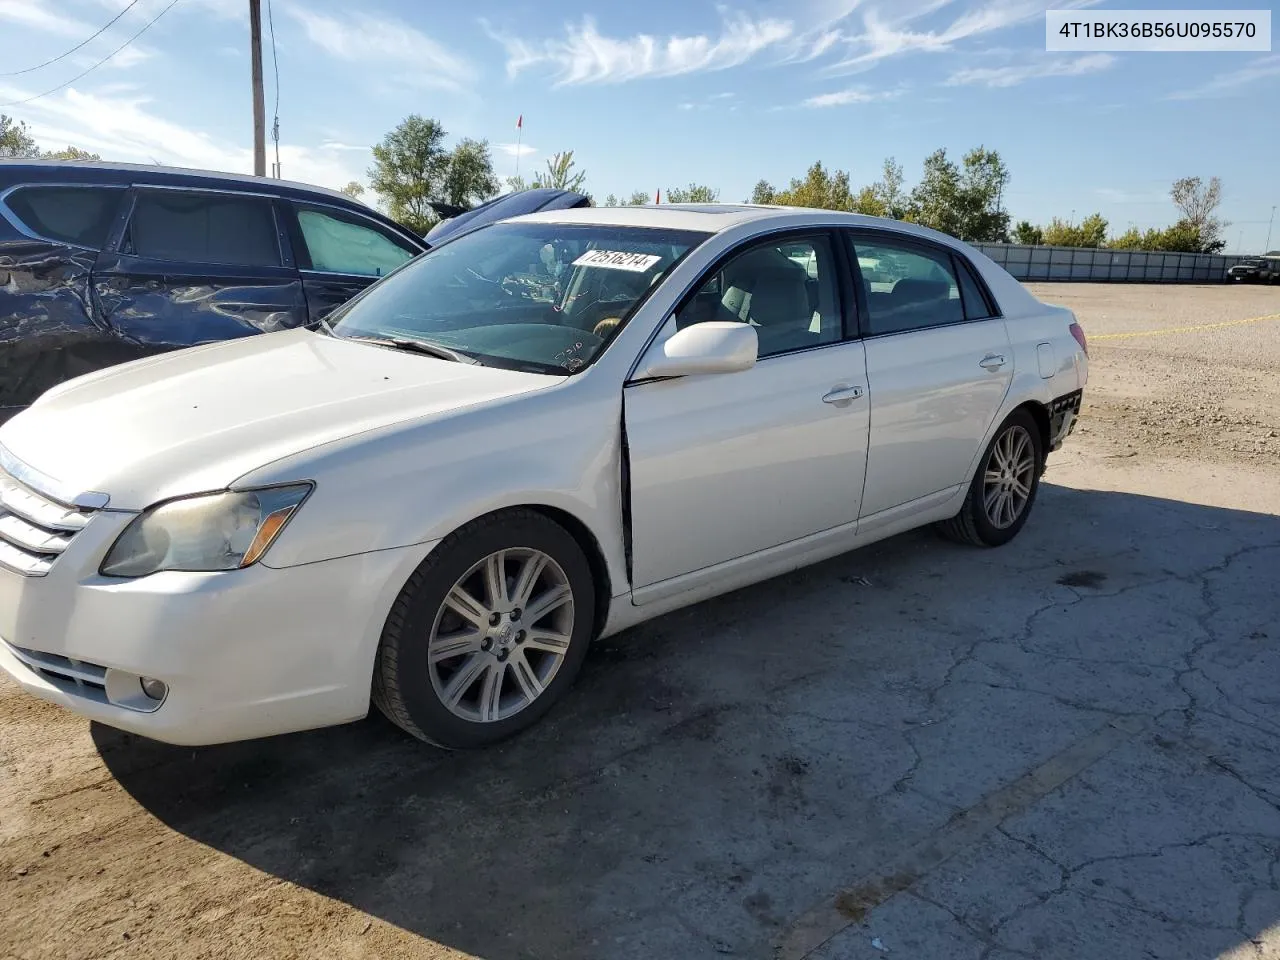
[617, 260]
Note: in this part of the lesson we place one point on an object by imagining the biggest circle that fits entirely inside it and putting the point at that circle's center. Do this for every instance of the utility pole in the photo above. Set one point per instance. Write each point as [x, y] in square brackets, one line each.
[1267, 248]
[259, 106]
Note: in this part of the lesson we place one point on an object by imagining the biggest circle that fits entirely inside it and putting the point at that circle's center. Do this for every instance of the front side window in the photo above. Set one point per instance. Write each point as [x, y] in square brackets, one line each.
[907, 287]
[203, 228]
[786, 290]
[337, 243]
[546, 297]
[77, 215]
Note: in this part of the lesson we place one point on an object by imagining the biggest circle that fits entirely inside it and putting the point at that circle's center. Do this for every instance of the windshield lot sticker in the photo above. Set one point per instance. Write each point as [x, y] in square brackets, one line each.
[617, 260]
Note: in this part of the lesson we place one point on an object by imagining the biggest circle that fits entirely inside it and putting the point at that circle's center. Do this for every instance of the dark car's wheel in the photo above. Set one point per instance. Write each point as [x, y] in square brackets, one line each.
[488, 633]
[1004, 487]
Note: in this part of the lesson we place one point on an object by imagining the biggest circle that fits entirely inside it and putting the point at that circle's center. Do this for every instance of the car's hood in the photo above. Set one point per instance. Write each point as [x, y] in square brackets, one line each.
[199, 419]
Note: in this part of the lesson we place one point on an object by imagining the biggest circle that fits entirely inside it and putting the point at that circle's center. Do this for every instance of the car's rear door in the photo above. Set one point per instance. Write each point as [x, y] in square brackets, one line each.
[194, 266]
[723, 466]
[50, 235]
[939, 363]
[340, 252]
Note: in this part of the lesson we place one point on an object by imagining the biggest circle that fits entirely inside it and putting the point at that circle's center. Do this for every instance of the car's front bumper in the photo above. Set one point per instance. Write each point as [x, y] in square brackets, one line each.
[246, 653]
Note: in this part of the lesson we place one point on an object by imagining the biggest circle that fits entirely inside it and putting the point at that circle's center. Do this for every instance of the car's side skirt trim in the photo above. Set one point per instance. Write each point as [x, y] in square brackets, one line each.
[690, 588]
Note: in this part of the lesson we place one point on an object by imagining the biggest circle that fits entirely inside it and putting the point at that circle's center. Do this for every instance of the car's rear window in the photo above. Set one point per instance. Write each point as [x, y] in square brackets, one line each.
[68, 214]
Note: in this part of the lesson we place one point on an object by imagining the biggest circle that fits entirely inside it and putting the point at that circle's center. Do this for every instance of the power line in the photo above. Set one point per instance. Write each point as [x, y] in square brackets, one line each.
[61, 56]
[16, 103]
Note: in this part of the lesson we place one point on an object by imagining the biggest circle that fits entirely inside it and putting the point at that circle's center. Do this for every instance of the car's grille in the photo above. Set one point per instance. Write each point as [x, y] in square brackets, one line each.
[75, 677]
[34, 530]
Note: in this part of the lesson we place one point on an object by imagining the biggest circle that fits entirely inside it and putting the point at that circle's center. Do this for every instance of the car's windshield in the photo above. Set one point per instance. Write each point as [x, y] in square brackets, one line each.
[536, 296]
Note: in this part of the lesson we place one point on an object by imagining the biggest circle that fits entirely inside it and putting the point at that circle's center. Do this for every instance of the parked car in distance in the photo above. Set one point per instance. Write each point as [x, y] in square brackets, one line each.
[541, 433]
[102, 263]
[1264, 269]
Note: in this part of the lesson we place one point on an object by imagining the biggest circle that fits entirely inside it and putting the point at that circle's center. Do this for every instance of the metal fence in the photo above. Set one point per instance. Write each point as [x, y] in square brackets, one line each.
[1119, 266]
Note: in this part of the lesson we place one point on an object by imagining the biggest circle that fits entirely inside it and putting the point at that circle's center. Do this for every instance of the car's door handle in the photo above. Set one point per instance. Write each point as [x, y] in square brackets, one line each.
[992, 361]
[843, 396]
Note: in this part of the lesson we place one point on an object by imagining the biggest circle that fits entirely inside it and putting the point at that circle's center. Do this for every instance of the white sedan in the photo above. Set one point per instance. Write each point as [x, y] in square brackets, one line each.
[538, 434]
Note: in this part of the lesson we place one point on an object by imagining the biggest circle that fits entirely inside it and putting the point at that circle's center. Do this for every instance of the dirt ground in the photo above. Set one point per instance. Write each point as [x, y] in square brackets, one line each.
[1064, 748]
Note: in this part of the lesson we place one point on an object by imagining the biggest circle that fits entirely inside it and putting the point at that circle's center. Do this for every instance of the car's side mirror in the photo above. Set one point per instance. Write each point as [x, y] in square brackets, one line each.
[717, 346]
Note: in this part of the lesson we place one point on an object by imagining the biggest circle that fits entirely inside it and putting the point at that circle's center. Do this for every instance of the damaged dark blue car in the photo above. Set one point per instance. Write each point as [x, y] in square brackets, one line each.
[105, 263]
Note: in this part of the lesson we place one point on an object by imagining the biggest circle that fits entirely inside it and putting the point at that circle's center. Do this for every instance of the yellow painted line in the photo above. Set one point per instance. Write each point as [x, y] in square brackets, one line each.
[1191, 329]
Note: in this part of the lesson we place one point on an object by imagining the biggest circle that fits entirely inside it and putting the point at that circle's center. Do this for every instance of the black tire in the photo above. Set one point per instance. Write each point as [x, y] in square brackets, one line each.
[972, 525]
[402, 687]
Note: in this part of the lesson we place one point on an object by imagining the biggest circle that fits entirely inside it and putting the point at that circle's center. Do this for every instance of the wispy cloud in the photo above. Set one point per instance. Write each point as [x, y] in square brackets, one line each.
[339, 145]
[1016, 74]
[387, 45]
[882, 37]
[585, 55]
[843, 98]
[124, 127]
[38, 16]
[1233, 82]
[516, 149]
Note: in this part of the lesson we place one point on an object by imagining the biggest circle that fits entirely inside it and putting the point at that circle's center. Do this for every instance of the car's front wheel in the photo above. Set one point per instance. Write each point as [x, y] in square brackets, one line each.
[488, 633]
[1003, 489]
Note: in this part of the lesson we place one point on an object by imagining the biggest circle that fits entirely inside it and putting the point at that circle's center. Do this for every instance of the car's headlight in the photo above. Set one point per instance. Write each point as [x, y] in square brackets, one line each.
[220, 531]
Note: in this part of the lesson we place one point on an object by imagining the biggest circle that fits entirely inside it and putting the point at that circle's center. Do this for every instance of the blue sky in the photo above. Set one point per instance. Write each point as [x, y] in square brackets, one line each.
[656, 95]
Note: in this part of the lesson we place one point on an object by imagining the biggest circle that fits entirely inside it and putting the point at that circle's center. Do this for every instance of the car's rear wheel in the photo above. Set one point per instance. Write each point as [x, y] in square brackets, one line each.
[1004, 487]
[488, 633]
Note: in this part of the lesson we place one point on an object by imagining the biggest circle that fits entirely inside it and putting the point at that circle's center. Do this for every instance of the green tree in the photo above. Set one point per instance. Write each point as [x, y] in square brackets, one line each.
[69, 153]
[469, 177]
[869, 201]
[962, 200]
[611, 200]
[888, 191]
[934, 201]
[1196, 202]
[1028, 233]
[354, 189]
[516, 184]
[1089, 232]
[763, 193]
[694, 193]
[982, 181]
[409, 169]
[819, 189]
[16, 142]
[560, 173]
[638, 198]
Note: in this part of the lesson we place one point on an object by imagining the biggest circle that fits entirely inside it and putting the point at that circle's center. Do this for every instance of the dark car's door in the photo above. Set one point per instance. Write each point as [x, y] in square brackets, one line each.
[193, 266]
[340, 252]
[50, 234]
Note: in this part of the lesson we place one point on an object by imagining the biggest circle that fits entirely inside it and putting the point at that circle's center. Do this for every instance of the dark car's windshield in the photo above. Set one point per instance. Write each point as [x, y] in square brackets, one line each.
[538, 296]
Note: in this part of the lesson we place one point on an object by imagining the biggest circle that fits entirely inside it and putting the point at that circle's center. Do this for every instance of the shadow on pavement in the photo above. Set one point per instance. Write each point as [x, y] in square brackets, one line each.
[719, 771]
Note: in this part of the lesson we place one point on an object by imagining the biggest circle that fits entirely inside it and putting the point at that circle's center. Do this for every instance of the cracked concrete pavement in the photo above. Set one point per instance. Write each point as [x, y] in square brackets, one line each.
[1063, 748]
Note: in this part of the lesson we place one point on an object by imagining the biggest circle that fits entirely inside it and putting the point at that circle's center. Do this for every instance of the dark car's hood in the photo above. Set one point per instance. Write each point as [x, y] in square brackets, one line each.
[503, 208]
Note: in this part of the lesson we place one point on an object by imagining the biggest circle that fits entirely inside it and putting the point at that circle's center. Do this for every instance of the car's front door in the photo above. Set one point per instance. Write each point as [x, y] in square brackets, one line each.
[340, 253]
[725, 465]
[197, 266]
[939, 363]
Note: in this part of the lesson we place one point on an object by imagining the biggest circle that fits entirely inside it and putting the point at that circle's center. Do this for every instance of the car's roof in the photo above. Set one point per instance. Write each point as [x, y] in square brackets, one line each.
[719, 217]
[127, 172]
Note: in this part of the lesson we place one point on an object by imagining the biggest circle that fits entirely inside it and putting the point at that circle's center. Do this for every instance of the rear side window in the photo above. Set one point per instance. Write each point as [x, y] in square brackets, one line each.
[908, 286]
[77, 215]
[203, 228]
[345, 244]
[977, 306]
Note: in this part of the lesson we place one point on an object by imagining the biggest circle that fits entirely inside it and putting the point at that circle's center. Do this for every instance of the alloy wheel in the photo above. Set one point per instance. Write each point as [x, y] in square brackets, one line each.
[1009, 475]
[501, 635]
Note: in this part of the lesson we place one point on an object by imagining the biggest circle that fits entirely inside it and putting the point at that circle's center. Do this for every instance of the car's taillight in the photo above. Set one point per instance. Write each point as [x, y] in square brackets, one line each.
[1078, 332]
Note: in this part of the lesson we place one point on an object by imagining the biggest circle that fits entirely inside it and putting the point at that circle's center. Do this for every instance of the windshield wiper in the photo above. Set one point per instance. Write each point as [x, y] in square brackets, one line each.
[418, 346]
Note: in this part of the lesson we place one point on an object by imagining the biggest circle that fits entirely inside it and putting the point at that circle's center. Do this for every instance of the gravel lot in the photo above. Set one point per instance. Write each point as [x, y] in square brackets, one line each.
[1065, 748]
